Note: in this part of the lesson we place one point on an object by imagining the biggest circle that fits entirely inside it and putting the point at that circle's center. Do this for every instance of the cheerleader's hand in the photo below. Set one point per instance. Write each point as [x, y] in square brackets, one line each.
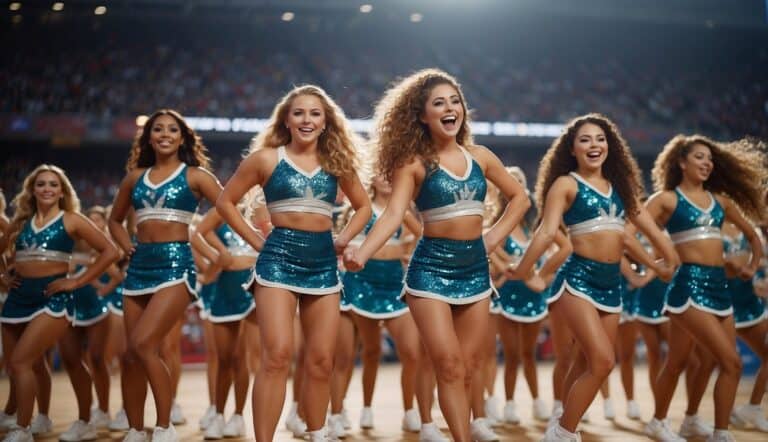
[9, 280]
[340, 246]
[224, 260]
[60, 285]
[351, 261]
[761, 287]
[665, 272]
[102, 291]
[746, 272]
[536, 283]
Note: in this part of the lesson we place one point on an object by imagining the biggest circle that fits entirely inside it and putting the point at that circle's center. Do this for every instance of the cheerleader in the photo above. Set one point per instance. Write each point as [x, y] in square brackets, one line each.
[523, 310]
[699, 185]
[306, 151]
[589, 181]
[38, 311]
[427, 153]
[231, 307]
[166, 177]
[751, 320]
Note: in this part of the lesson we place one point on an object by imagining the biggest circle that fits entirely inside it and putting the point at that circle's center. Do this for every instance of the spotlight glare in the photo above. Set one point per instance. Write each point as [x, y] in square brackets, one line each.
[100, 10]
[416, 17]
[288, 16]
[15, 6]
[141, 120]
[366, 8]
[58, 6]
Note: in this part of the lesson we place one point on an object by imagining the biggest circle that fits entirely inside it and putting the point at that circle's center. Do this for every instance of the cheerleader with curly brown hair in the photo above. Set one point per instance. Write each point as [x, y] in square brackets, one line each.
[426, 151]
[167, 176]
[700, 184]
[589, 181]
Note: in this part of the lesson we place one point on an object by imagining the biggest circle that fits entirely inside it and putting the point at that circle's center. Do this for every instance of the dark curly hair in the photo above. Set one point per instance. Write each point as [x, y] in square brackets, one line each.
[620, 167]
[399, 135]
[739, 170]
[192, 150]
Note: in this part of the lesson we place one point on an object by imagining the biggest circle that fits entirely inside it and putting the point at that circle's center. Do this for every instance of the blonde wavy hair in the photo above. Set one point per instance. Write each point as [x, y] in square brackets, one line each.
[740, 170]
[25, 204]
[337, 145]
[399, 135]
[191, 152]
[620, 167]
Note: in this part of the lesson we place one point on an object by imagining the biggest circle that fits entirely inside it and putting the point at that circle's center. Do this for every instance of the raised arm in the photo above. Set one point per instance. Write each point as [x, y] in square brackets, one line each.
[553, 263]
[247, 175]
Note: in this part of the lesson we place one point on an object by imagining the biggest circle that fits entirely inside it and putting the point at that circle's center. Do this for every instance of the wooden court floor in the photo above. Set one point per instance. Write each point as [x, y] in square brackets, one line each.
[387, 409]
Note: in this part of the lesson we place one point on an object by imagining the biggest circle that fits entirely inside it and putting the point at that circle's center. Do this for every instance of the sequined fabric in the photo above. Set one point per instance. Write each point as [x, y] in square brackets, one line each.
[592, 210]
[628, 302]
[704, 287]
[748, 309]
[86, 307]
[450, 270]
[169, 200]
[597, 282]
[230, 301]
[517, 301]
[291, 189]
[690, 222]
[158, 265]
[49, 243]
[650, 302]
[206, 292]
[300, 261]
[374, 291]
[235, 244]
[444, 196]
[27, 301]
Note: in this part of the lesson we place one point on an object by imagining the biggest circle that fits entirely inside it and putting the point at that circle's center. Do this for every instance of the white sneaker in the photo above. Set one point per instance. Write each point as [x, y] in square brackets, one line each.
[7, 421]
[79, 430]
[660, 430]
[345, 419]
[492, 406]
[411, 421]
[557, 413]
[215, 428]
[540, 412]
[366, 418]
[235, 426]
[608, 411]
[292, 414]
[693, 426]
[748, 415]
[177, 416]
[120, 422]
[556, 433]
[99, 419]
[296, 426]
[18, 434]
[721, 436]
[510, 414]
[320, 435]
[134, 435]
[336, 427]
[633, 410]
[481, 431]
[430, 433]
[210, 413]
[161, 434]
[41, 424]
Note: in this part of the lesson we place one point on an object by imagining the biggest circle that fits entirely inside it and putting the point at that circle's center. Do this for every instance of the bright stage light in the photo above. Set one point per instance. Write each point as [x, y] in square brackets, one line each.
[58, 6]
[416, 17]
[366, 8]
[100, 10]
[15, 6]
[141, 120]
[288, 16]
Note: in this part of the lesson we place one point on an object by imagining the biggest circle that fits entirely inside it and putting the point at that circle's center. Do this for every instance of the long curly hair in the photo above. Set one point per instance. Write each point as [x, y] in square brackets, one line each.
[25, 203]
[399, 135]
[740, 170]
[620, 167]
[192, 150]
[337, 145]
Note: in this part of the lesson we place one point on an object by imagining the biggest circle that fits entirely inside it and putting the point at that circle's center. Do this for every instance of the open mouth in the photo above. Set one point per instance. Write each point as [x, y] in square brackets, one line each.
[595, 154]
[306, 130]
[449, 122]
